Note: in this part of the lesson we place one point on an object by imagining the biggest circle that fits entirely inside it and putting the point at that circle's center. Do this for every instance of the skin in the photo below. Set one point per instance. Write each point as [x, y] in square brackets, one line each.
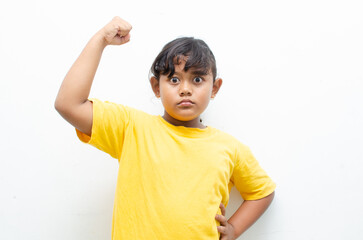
[190, 85]
[247, 214]
[72, 100]
[73, 105]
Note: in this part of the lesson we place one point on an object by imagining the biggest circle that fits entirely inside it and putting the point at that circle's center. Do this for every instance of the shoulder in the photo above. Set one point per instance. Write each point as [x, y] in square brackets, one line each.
[110, 107]
[226, 137]
[239, 149]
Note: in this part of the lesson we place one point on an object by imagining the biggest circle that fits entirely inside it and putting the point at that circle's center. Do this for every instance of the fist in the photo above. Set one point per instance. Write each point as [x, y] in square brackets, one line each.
[116, 32]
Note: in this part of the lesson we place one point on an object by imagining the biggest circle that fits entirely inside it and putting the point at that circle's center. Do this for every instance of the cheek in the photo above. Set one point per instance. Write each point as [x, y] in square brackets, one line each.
[167, 93]
[204, 98]
[206, 93]
[164, 91]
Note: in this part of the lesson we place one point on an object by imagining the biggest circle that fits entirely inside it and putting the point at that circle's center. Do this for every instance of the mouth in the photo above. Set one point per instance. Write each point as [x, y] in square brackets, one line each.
[185, 103]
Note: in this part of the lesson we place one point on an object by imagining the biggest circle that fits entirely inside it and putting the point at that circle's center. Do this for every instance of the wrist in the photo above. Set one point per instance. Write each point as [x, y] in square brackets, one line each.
[99, 39]
[235, 235]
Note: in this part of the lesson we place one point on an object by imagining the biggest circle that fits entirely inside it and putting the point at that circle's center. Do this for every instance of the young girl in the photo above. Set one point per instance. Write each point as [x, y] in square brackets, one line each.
[175, 174]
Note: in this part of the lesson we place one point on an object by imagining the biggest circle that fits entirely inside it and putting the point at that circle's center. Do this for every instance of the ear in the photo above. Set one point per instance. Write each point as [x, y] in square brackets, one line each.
[155, 86]
[216, 86]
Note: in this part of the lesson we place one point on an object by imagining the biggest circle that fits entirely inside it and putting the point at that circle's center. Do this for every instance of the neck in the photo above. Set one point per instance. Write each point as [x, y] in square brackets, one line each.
[194, 123]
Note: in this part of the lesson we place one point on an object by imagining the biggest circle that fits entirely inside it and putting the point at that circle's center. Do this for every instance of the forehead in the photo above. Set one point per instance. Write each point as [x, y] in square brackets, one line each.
[181, 68]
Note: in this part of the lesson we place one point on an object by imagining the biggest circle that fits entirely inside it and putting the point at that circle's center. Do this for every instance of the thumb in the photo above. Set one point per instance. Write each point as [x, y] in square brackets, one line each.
[119, 40]
[125, 39]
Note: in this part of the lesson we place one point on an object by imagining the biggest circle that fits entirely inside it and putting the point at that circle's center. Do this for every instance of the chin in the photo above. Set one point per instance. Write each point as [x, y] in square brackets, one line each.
[183, 114]
[184, 118]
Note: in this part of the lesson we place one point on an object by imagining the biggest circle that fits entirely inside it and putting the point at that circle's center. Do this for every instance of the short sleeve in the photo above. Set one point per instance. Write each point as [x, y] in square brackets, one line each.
[250, 179]
[108, 128]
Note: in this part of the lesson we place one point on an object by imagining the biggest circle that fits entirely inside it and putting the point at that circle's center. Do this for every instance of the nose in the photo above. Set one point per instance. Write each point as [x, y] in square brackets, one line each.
[185, 89]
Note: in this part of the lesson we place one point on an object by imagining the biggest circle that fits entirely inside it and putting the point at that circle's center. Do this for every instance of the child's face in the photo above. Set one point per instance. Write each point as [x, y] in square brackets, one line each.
[186, 94]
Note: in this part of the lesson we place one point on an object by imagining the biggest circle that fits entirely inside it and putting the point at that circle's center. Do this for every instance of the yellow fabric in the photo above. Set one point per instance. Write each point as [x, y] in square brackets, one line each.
[171, 179]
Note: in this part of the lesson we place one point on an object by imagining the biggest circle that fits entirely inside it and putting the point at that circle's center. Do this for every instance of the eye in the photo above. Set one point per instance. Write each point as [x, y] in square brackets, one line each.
[174, 80]
[198, 80]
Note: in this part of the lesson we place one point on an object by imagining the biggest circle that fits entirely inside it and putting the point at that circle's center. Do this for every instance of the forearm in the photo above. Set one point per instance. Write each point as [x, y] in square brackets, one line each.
[248, 213]
[77, 84]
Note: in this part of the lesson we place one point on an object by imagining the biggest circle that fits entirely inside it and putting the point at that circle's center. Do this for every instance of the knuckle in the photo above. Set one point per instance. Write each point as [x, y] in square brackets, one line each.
[115, 26]
[128, 27]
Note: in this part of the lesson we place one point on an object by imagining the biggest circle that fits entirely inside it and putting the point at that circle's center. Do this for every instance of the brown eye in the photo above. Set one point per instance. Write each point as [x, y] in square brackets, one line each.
[174, 80]
[198, 80]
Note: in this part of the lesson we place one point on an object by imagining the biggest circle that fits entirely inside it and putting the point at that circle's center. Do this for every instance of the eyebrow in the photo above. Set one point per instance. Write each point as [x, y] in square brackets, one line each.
[199, 72]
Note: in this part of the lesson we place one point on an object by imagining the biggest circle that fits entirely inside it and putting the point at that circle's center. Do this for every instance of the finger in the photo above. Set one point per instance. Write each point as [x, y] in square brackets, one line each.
[125, 39]
[222, 219]
[110, 33]
[222, 230]
[123, 27]
[123, 31]
[223, 210]
[116, 30]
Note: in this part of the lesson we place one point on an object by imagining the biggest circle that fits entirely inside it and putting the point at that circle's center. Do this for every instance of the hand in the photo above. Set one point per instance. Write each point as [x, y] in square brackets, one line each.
[226, 229]
[116, 32]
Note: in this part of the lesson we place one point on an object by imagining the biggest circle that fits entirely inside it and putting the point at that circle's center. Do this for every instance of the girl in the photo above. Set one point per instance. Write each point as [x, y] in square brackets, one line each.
[175, 173]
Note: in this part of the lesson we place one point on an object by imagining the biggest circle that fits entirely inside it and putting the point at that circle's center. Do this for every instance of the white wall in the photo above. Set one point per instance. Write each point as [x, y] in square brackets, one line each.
[293, 84]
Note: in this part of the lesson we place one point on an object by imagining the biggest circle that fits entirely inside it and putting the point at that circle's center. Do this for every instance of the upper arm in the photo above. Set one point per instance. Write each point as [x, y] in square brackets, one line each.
[249, 177]
[80, 116]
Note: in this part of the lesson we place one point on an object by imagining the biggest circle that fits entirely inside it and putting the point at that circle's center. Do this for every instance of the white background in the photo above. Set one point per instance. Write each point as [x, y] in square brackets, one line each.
[292, 92]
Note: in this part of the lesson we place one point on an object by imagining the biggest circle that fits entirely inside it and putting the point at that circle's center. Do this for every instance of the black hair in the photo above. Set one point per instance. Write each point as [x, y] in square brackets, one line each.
[198, 56]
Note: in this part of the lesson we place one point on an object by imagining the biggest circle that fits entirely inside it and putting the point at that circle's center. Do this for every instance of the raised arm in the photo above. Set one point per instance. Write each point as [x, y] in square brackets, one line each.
[72, 99]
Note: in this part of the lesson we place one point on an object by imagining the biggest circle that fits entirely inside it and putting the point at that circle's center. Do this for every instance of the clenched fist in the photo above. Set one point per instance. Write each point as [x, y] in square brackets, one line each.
[116, 32]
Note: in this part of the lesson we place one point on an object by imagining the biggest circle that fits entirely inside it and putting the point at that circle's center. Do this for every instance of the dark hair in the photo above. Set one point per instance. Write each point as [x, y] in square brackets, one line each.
[198, 56]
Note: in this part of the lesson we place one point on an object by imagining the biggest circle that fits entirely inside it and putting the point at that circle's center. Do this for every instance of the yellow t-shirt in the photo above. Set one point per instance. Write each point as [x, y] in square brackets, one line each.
[171, 179]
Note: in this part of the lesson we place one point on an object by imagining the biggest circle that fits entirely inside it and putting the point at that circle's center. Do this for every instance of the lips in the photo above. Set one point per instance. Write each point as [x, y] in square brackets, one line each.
[185, 102]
